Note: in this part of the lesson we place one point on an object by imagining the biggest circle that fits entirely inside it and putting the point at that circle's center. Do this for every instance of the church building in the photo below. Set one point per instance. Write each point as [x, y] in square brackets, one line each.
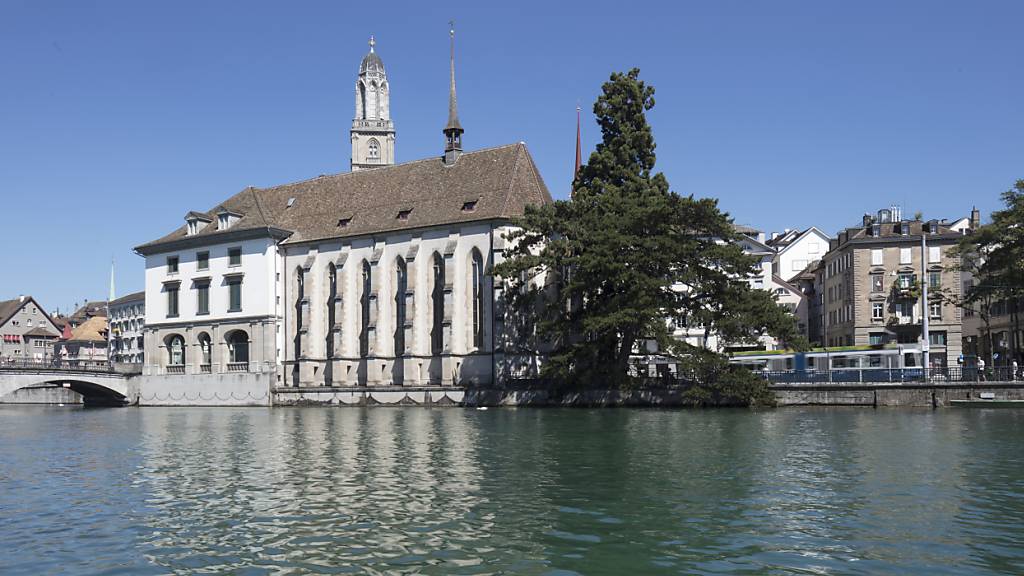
[380, 276]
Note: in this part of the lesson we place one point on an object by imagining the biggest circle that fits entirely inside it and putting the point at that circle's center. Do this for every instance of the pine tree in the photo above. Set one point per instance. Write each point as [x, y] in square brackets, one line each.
[626, 254]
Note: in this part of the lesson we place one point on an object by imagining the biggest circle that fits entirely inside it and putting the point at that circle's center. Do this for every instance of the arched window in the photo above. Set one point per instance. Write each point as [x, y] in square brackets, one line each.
[204, 348]
[373, 150]
[332, 295]
[401, 285]
[476, 280]
[238, 348]
[300, 295]
[362, 101]
[437, 306]
[176, 351]
[364, 304]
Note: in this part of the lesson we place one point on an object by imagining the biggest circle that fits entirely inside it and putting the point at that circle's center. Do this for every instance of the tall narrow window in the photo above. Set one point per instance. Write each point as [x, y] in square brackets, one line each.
[234, 294]
[172, 264]
[300, 294]
[401, 285]
[373, 150]
[364, 304]
[332, 294]
[234, 256]
[203, 261]
[437, 305]
[176, 350]
[202, 298]
[172, 300]
[477, 285]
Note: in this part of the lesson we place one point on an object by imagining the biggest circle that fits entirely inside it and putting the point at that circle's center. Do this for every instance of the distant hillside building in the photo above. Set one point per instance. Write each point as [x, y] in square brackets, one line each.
[26, 331]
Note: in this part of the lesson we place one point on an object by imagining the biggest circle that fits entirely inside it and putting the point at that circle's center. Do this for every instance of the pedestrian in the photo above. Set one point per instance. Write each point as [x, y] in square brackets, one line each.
[981, 369]
[1014, 374]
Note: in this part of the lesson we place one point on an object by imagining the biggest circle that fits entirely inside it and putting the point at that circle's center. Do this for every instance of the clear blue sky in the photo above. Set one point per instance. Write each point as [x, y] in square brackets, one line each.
[116, 118]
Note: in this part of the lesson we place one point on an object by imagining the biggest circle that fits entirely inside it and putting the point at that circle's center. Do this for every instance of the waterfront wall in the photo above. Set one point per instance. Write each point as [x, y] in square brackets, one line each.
[42, 395]
[908, 394]
[230, 389]
[369, 396]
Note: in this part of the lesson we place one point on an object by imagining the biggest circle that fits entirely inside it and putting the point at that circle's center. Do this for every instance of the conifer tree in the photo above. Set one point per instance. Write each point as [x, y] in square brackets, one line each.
[626, 255]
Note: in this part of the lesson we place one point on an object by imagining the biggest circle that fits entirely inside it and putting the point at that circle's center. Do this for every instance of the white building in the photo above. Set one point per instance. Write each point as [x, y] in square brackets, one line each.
[368, 278]
[127, 318]
[794, 250]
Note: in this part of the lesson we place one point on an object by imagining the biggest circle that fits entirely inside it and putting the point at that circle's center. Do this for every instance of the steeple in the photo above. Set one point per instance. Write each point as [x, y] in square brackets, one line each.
[373, 133]
[453, 130]
[112, 295]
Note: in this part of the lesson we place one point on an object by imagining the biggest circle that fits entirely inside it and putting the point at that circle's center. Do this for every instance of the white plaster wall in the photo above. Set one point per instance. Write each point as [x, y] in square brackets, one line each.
[258, 285]
[810, 246]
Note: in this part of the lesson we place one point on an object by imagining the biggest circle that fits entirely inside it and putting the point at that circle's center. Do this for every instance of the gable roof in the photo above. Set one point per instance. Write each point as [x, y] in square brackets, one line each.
[786, 241]
[498, 182]
[8, 308]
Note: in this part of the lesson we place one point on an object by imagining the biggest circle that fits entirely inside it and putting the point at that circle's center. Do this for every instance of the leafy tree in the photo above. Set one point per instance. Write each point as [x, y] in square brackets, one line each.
[602, 273]
[994, 254]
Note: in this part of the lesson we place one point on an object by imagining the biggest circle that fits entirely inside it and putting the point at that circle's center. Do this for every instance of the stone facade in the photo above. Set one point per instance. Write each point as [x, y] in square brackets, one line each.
[26, 331]
[373, 132]
[871, 287]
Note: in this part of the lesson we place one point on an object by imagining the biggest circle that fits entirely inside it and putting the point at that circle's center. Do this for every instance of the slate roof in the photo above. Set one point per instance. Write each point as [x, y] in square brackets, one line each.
[890, 232]
[500, 182]
[134, 296]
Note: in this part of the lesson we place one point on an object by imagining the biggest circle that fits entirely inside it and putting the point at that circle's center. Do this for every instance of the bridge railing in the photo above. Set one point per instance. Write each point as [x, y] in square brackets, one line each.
[55, 364]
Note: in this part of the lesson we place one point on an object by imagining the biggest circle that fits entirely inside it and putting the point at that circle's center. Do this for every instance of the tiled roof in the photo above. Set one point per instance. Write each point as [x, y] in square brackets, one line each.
[40, 331]
[92, 330]
[495, 183]
[9, 308]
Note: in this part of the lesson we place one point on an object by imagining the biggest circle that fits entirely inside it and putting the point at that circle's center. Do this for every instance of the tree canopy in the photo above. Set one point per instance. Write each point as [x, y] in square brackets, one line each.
[604, 272]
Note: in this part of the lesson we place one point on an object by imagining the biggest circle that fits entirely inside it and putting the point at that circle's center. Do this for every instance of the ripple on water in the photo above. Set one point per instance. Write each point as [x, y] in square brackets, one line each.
[414, 491]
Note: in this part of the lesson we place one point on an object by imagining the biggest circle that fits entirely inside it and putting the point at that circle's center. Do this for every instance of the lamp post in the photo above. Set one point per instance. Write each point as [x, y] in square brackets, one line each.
[925, 311]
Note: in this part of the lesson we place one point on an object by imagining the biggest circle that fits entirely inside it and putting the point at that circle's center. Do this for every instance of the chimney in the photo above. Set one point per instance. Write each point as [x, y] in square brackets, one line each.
[21, 297]
[867, 219]
[775, 235]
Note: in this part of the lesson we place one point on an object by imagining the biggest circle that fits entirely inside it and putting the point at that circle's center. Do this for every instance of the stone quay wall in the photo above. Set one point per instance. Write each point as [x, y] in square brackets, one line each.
[914, 395]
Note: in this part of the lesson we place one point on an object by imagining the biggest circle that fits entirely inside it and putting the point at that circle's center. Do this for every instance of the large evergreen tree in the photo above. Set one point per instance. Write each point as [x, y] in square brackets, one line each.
[627, 254]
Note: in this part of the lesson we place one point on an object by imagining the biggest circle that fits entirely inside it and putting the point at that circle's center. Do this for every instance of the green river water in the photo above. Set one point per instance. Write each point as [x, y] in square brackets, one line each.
[510, 491]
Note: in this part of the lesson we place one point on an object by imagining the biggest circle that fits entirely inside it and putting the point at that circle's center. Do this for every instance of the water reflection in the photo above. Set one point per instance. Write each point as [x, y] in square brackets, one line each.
[448, 491]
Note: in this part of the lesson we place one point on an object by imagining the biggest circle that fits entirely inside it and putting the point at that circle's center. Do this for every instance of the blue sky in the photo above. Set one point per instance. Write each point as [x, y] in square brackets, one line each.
[116, 118]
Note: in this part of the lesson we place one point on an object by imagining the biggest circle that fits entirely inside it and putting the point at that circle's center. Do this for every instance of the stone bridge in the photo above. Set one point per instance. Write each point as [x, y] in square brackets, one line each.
[97, 387]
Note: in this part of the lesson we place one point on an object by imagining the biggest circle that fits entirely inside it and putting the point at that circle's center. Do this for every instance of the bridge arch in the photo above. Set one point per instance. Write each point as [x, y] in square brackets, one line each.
[100, 389]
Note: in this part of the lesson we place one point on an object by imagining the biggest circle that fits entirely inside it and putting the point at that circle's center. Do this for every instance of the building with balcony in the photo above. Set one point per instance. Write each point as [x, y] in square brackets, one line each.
[871, 284]
[126, 319]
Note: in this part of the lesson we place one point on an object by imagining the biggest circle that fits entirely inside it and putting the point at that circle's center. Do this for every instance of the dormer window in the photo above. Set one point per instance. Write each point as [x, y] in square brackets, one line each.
[904, 228]
[404, 214]
[291, 202]
[469, 206]
[192, 227]
[344, 222]
[194, 223]
[222, 221]
[876, 230]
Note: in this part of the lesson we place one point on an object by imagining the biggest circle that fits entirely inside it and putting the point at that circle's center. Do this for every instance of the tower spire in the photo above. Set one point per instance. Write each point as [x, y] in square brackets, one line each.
[453, 130]
[112, 295]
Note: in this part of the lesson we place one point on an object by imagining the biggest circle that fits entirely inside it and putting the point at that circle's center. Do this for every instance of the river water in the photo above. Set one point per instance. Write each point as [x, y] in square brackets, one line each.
[513, 491]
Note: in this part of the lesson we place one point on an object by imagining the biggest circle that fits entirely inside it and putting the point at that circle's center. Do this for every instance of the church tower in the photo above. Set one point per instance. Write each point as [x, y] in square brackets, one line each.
[373, 134]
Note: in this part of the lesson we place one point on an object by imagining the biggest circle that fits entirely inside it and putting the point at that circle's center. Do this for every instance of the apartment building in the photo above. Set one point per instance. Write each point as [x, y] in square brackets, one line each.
[871, 284]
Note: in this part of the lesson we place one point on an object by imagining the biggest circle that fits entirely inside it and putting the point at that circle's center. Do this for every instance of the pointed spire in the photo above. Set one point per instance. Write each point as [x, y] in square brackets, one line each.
[372, 43]
[112, 293]
[453, 112]
[579, 154]
[453, 130]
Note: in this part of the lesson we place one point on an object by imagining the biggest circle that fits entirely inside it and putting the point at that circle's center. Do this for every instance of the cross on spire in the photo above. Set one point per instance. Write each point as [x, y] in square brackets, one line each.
[372, 43]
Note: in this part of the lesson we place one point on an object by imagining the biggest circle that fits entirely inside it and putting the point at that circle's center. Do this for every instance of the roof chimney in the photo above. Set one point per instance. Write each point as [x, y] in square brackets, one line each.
[453, 130]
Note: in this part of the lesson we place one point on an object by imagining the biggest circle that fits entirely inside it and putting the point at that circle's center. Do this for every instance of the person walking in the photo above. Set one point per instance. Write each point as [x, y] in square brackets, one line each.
[981, 369]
